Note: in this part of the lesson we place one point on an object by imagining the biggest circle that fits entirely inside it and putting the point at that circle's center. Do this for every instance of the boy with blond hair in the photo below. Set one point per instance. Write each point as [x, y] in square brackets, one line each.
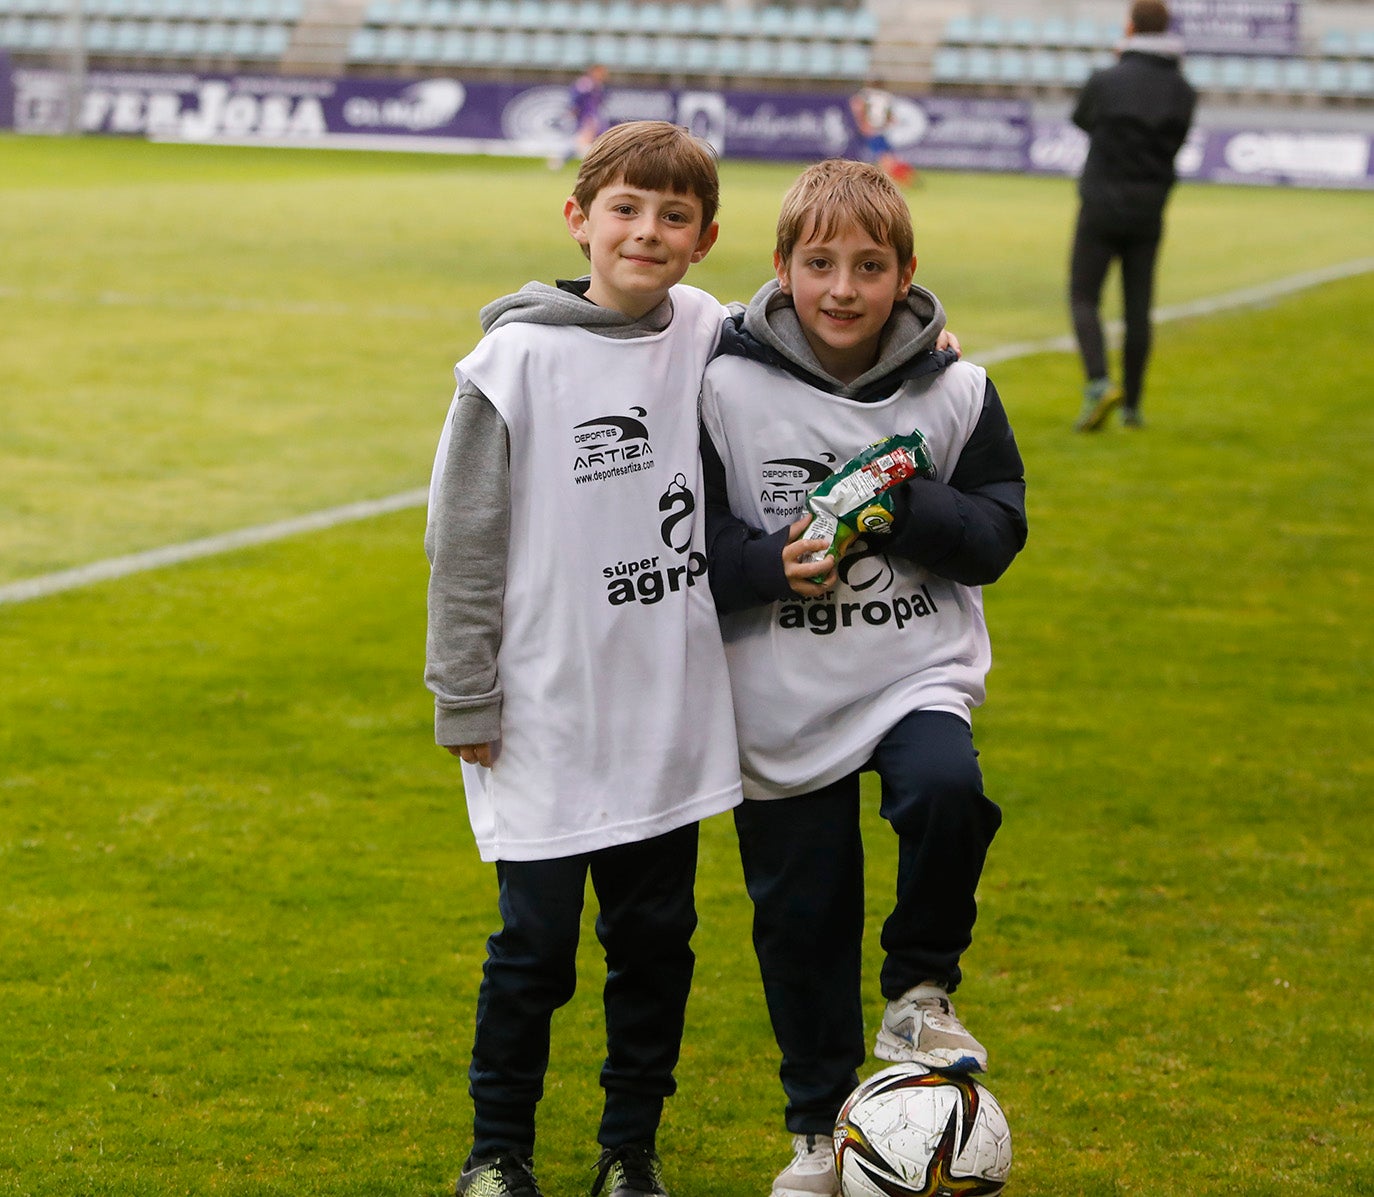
[573, 648]
[873, 662]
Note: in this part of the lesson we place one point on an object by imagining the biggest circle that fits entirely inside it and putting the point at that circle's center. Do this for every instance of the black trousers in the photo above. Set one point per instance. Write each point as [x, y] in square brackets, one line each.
[803, 864]
[646, 918]
[1100, 238]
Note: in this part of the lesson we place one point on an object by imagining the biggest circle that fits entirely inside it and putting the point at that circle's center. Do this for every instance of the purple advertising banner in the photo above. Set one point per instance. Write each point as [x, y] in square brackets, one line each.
[1266, 157]
[448, 115]
[1238, 26]
[6, 92]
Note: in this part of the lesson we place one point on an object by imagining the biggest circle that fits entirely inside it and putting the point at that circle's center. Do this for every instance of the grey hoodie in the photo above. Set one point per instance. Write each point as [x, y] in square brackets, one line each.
[468, 533]
[908, 338]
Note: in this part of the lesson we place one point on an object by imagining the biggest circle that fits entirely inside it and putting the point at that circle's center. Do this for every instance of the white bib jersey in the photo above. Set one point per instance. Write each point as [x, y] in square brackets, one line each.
[616, 724]
[818, 682]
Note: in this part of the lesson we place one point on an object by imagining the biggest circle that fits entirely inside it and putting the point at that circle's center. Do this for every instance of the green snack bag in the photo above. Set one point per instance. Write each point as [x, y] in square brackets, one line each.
[854, 500]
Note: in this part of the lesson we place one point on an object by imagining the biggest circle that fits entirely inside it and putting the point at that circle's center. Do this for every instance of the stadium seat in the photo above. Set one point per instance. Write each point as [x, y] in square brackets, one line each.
[1264, 75]
[1054, 31]
[424, 46]
[470, 14]
[606, 48]
[699, 56]
[948, 65]
[1011, 67]
[822, 60]
[157, 37]
[587, 16]
[395, 44]
[958, 30]
[185, 40]
[560, 15]
[1330, 77]
[1075, 67]
[855, 60]
[636, 52]
[100, 36]
[1201, 71]
[1084, 33]
[741, 21]
[668, 53]
[1295, 75]
[758, 57]
[1023, 31]
[618, 17]
[530, 14]
[1364, 43]
[274, 41]
[43, 33]
[1233, 73]
[773, 20]
[453, 46]
[988, 30]
[546, 49]
[791, 60]
[729, 55]
[500, 14]
[515, 48]
[979, 66]
[1337, 43]
[1359, 80]
[485, 47]
[437, 14]
[575, 51]
[1044, 68]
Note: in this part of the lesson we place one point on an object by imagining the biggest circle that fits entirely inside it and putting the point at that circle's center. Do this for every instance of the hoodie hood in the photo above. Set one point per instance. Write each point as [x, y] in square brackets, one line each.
[768, 330]
[566, 303]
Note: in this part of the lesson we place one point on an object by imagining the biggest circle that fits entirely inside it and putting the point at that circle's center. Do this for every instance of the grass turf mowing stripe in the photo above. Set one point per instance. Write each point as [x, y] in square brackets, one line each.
[118, 567]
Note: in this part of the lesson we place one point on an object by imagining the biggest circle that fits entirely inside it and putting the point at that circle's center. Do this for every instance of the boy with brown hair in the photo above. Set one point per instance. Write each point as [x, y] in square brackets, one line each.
[873, 662]
[573, 649]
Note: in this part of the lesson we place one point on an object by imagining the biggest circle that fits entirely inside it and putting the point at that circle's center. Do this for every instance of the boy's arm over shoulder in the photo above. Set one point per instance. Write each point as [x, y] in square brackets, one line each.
[971, 528]
[466, 540]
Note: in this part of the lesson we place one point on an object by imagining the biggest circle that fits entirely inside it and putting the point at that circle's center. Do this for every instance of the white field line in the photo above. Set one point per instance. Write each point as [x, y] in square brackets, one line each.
[209, 546]
[174, 554]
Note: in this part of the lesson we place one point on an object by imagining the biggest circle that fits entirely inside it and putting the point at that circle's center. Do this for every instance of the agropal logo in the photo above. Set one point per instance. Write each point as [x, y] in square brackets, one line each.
[651, 579]
[611, 446]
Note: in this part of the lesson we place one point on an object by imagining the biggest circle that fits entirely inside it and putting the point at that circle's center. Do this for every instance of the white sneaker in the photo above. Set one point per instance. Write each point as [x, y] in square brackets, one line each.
[921, 1026]
[812, 1170]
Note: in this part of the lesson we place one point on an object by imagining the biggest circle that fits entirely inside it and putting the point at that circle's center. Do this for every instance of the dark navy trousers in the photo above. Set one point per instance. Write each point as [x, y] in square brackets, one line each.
[803, 864]
[1099, 237]
[645, 921]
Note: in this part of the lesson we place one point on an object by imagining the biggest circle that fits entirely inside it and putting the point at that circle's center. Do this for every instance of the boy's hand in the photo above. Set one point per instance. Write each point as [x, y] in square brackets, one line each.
[947, 340]
[474, 754]
[806, 578]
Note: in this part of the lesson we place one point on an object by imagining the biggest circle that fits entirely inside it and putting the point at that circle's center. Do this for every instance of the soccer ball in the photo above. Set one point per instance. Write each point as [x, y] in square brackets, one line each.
[909, 1130]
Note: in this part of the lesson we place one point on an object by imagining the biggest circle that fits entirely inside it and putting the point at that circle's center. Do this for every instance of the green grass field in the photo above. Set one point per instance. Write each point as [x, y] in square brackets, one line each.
[243, 916]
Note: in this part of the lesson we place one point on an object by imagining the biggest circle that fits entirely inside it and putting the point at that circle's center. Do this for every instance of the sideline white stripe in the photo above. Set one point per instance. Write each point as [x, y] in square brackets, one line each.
[1245, 297]
[175, 554]
[118, 567]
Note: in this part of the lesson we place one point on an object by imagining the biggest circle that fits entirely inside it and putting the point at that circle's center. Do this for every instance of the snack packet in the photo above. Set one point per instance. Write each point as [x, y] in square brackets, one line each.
[854, 500]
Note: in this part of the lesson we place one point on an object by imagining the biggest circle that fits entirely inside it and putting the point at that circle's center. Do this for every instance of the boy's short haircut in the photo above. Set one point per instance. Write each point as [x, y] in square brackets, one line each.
[1149, 16]
[840, 193]
[654, 155]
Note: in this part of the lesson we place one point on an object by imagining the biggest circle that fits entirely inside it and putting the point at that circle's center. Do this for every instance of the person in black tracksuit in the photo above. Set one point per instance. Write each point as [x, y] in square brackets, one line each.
[1137, 114]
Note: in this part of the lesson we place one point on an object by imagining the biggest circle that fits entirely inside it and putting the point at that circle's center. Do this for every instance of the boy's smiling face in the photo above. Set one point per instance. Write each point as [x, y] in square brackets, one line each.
[640, 242]
[843, 287]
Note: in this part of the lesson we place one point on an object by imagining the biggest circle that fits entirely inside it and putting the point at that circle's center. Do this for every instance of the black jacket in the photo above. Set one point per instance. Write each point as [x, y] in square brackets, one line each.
[968, 530]
[1137, 114]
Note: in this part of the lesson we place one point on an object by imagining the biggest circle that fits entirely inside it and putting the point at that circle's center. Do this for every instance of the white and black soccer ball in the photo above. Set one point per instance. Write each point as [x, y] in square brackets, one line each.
[911, 1130]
